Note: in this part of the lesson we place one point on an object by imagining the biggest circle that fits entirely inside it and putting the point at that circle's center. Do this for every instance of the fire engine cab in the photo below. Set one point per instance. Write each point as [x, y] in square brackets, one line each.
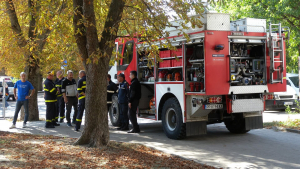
[223, 73]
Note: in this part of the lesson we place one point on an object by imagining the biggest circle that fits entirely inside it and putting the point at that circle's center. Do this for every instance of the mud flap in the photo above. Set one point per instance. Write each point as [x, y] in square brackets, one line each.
[255, 122]
[196, 128]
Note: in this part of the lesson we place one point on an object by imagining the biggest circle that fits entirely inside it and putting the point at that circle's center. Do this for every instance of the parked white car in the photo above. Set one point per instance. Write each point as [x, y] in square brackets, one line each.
[10, 89]
[279, 100]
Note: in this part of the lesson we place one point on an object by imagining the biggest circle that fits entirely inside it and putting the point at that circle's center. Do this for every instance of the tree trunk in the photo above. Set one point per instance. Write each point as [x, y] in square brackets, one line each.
[96, 131]
[33, 74]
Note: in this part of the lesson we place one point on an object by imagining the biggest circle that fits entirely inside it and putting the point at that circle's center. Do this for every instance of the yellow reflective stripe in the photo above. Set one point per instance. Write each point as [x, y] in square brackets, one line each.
[52, 89]
[48, 120]
[44, 85]
[79, 88]
[81, 97]
[57, 85]
[84, 82]
[78, 120]
[83, 87]
[62, 117]
[50, 100]
[56, 118]
[81, 93]
[109, 102]
[46, 90]
[59, 95]
[110, 91]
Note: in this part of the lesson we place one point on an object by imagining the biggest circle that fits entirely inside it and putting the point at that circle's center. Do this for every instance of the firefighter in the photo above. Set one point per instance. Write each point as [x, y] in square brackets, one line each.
[50, 100]
[134, 97]
[60, 104]
[69, 90]
[81, 98]
[123, 102]
[111, 89]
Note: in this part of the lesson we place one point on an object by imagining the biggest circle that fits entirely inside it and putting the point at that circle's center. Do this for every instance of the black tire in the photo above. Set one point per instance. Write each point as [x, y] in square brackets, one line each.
[114, 112]
[237, 125]
[172, 121]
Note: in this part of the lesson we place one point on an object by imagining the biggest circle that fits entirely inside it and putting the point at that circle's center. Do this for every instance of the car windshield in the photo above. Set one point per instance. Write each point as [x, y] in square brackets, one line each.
[9, 84]
[295, 80]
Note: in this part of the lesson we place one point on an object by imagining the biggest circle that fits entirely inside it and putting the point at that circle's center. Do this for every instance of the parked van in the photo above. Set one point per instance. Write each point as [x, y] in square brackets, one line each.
[279, 100]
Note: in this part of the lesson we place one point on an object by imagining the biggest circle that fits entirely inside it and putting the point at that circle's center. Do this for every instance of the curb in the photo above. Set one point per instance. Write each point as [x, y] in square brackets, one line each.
[285, 129]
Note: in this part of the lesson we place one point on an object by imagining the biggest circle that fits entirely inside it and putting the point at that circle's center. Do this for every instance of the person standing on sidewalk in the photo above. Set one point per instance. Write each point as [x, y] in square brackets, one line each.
[134, 97]
[69, 90]
[50, 100]
[60, 104]
[123, 103]
[111, 89]
[22, 98]
[6, 95]
[81, 98]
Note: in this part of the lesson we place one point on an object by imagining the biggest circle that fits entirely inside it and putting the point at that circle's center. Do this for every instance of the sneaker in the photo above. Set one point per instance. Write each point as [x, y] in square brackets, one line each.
[12, 127]
[24, 125]
[69, 125]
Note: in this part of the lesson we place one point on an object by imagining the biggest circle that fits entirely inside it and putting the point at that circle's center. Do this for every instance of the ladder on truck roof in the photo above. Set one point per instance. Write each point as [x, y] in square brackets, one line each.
[276, 47]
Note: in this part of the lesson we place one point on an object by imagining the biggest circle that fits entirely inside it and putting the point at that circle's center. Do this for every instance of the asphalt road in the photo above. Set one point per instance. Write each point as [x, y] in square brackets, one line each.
[262, 148]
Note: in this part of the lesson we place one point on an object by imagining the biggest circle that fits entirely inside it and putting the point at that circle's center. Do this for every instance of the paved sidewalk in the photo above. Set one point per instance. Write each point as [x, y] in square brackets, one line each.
[263, 148]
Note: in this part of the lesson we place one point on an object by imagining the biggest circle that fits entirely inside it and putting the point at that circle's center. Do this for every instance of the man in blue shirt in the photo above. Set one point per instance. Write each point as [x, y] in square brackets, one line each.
[23, 87]
[123, 102]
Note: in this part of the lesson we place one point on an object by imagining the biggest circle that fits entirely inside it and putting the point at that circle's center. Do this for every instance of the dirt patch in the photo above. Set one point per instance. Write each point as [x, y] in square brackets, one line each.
[37, 151]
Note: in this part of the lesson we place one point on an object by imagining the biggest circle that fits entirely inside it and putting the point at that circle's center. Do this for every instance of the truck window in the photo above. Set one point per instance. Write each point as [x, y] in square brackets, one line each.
[295, 80]
[128, 53]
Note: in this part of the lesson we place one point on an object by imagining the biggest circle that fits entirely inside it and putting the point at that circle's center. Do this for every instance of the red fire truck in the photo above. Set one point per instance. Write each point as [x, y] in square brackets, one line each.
[223, 73]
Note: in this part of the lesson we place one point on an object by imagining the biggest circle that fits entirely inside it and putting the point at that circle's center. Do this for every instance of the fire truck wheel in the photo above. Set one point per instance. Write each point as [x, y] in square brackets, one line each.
[236, 126]
[114, 113]
[172, 121]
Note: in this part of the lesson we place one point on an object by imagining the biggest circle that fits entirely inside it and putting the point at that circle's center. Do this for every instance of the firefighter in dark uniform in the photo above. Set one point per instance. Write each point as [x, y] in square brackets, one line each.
[81, 98]
[123, 102]
[50, 100]
[69, 90]
[60, 104]
[111, 89]
[134, 97]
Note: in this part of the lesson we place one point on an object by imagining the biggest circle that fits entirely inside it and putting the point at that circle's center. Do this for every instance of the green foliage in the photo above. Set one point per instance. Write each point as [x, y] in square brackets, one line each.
[285, 11]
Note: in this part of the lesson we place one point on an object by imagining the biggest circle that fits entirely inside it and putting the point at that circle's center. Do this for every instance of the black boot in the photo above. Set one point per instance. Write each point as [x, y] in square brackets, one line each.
[120, 128]
[49, 125]
[125, 128]
[55, 124]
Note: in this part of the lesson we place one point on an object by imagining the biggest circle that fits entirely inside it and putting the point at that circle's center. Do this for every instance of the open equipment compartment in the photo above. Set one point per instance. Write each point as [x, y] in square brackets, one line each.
[195, 67]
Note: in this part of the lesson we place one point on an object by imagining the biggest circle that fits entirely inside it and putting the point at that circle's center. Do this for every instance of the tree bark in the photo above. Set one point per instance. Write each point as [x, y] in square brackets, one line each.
[96, 131]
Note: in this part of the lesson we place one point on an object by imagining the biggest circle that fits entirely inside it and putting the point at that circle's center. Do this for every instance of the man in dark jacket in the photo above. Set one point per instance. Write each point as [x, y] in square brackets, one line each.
[50, 99]
[111, 89]
[123, 102]
[60, 104]
[134, 97]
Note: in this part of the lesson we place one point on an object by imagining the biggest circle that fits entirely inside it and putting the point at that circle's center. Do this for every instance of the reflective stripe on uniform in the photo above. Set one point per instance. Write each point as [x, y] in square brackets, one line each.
[81, 97]
[56, 118]
[48, 120]
[110, 91]
[79, 88]
[50, 100]
[83, 87]
[62, 117]
[109, 102]
[59, 95]
[52, 89]
[46, 90]
[78, 120]
[57, 85]
[84, 82]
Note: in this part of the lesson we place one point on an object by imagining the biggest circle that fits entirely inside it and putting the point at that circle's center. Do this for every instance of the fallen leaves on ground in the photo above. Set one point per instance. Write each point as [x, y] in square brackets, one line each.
[37, 151]
[291, 124]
